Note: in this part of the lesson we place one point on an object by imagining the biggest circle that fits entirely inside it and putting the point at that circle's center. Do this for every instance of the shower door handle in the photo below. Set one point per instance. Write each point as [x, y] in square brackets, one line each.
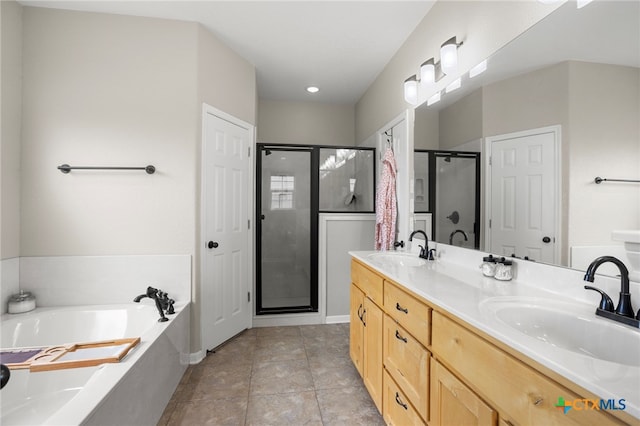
[212, 244]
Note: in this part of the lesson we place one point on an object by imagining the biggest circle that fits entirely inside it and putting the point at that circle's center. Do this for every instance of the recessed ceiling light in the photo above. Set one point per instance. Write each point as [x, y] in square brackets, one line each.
[312, 89]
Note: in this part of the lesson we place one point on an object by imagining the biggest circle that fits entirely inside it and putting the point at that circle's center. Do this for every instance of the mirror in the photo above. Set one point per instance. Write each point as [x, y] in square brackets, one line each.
[577, 71]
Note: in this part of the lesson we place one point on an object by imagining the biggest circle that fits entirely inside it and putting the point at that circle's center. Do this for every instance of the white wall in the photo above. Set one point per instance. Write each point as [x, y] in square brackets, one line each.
[310, 123]
[115, 90]
[604, 141]
[10, 119]
[484, 26]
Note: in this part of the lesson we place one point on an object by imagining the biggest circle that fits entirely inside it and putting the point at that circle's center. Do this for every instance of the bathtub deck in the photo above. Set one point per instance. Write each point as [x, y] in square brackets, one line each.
[276, 375]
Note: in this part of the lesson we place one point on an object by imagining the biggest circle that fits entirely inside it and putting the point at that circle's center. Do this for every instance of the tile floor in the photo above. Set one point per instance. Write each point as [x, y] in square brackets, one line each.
[298, 375]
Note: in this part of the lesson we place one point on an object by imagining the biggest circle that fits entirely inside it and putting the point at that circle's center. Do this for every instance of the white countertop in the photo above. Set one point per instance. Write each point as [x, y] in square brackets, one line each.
[464, 291]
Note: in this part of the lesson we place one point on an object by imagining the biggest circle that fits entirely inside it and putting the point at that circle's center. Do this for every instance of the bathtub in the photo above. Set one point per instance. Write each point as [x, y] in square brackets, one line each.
[133, 392]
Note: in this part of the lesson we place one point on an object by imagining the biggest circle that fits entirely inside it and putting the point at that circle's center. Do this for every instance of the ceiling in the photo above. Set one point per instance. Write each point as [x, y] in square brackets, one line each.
[339, 46]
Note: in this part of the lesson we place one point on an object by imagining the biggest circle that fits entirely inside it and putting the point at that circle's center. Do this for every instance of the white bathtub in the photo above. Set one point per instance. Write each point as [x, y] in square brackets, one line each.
[134, 391]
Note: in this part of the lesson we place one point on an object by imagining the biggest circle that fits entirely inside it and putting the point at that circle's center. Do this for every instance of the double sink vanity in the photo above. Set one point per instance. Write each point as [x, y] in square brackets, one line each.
[438, 343]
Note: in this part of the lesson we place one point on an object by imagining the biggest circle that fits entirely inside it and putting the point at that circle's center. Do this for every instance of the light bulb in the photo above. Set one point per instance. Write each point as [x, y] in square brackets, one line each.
[449, 56]
[411, 90]
[428, 72]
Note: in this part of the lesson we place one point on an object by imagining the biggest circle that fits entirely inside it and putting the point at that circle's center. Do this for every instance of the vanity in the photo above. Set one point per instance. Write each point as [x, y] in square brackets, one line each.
[438, 343]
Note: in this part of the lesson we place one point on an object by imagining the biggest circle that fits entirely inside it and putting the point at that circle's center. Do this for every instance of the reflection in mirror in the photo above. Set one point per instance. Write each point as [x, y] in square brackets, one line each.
[578, 71]
[451, 179]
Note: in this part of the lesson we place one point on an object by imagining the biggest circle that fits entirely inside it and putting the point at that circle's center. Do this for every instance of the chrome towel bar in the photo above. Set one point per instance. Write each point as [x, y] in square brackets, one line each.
[65, 168]
[599, 180]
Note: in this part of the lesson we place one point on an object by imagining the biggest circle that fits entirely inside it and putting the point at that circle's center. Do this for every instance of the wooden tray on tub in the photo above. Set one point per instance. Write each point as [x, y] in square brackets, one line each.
[68, 356]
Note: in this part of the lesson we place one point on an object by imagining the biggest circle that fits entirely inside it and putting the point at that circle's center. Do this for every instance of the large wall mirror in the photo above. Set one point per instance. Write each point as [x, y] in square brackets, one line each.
[561, 104]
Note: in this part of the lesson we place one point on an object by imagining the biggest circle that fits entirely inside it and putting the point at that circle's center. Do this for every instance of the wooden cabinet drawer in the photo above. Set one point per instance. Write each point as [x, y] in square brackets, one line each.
[522, 394]
[412, 314]
[369, 282]
[407, 361]
[397, 408]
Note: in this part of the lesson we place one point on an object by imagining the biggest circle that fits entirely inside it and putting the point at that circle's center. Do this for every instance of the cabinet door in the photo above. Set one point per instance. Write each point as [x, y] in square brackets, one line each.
[373, 351]
[356, 329]
[453, 403]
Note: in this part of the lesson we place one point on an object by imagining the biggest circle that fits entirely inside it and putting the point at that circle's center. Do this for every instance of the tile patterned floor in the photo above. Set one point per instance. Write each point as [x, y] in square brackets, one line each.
[299, 375]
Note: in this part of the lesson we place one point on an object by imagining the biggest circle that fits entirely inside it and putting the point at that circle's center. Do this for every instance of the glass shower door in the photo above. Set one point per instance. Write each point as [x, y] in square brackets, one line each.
[456, 205]
[287, 233]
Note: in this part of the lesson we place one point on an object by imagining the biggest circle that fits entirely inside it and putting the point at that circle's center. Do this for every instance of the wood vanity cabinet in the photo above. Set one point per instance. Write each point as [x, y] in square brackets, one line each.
[365, 340]
[422, 364]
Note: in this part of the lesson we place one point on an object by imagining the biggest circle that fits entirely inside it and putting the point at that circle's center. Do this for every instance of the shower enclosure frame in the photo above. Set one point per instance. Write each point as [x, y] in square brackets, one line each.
[315, 211]
[432, 185]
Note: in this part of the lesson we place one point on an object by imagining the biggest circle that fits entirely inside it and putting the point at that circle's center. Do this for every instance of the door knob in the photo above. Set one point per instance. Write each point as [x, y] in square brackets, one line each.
[212, 244]
[546, 240]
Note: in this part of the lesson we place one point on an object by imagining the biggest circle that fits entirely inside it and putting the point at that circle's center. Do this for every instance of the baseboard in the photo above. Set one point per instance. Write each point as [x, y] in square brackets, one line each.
[337, 319]
[196, 357]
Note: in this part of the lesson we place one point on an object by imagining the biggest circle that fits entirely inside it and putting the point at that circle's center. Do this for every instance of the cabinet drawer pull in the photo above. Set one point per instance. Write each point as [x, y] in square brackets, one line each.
[400, 308]
[538, 400]
[400, 403]
[360, 313]
[399, 337]
[364, 312]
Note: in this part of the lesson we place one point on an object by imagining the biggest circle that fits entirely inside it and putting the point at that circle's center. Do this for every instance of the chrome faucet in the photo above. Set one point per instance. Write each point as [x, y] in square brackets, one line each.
[624, 311]
[457, 231]
[425, 253]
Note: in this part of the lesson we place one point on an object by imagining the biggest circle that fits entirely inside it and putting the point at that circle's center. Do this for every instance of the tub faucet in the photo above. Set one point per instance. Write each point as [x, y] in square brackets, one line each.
[457, 231]
[5, 373]
[624, 311]
[425, 253]
[152, 293]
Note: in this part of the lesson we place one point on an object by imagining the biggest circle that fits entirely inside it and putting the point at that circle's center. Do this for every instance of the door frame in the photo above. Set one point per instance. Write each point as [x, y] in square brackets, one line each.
[200, 252]
[556, 130]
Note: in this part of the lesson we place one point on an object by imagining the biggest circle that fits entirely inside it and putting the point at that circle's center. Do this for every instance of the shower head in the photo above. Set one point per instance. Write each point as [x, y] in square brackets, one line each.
[267, 152]
[447, 159]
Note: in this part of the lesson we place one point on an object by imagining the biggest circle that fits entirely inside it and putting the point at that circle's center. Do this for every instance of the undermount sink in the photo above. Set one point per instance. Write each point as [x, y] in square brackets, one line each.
[567, 326]
[398, 259]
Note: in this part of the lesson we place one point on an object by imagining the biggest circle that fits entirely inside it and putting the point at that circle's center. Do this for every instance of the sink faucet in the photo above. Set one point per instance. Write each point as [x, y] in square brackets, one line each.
[457, 231]
[425, 253]
[162, 302]
[624, 311]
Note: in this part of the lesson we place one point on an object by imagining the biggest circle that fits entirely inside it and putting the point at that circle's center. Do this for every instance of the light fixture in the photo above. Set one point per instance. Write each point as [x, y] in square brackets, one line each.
[449, 56]
[411, 90]
[433, 99]
[313, 89]
[455, 84]
[478, 69]
[428, 72]
[583, 3]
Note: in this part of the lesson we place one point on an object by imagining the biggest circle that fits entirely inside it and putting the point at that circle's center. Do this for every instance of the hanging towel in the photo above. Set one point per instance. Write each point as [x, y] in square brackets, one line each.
[386, 207]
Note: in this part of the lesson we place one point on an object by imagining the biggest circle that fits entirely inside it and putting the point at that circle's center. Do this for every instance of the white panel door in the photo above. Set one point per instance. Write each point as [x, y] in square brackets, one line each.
[523, 195]
[225, 255]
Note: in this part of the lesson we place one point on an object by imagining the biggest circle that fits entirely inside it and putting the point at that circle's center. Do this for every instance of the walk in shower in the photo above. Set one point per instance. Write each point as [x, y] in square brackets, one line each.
[447, 184]
[295, 184]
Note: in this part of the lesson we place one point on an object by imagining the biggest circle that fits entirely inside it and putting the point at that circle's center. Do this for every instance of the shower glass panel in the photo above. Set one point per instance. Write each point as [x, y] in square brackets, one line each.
[456, 192]
[287, 276]
[346, 180]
